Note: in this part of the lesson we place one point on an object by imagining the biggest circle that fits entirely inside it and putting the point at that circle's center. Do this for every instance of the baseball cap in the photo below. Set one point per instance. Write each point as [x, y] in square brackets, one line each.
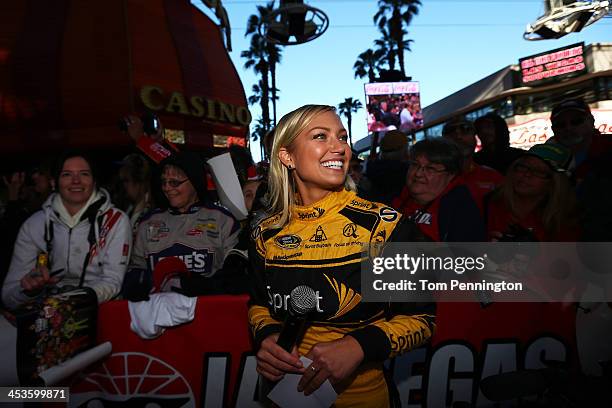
[557, 156]
[570, 104]
[393, 140]
[253, 174]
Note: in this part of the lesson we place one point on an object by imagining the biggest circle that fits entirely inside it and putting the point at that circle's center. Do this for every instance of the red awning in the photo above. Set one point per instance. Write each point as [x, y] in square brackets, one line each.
[70, 69]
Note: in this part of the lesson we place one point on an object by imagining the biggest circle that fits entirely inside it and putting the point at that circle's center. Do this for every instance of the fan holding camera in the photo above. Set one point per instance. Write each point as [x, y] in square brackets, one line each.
[147, 132]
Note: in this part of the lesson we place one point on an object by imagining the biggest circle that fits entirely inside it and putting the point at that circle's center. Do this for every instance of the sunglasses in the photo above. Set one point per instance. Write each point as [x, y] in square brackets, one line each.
[173, 182]
[570, 123]
[523, 168]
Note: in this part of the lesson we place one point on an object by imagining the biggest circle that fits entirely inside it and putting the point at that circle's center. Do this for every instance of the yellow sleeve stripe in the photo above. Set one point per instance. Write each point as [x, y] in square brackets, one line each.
[259, 317]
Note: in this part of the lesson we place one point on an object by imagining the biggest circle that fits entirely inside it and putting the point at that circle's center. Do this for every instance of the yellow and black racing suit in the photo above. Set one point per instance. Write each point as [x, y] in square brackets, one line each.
[322, 247]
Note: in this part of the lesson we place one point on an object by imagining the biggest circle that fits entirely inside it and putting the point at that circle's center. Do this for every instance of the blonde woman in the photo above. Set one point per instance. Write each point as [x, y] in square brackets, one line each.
[314, 236]
[536, 196]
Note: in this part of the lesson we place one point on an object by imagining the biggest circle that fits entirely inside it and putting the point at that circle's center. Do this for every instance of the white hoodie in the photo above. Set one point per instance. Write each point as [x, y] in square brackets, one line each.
[109, 255]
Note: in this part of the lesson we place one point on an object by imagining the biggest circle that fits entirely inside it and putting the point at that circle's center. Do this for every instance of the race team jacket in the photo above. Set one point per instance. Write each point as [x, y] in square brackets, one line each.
[109, 254]
[200, 237]
[321, 247]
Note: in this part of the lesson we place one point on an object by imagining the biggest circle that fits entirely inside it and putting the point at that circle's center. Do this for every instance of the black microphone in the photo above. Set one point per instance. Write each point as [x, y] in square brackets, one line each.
[302, 301]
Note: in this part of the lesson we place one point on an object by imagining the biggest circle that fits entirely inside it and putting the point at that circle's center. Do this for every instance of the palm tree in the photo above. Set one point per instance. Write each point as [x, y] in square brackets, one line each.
[347, 108]
[255, 97]
[273, 51]
[368, 63]
[256, 58]
[258, 133]
[394, 15]
[256, 90]
[386, 45]
[274, 58]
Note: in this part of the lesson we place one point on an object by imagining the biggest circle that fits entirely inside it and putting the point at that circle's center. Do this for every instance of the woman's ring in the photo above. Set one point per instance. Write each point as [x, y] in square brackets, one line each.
[313, 368]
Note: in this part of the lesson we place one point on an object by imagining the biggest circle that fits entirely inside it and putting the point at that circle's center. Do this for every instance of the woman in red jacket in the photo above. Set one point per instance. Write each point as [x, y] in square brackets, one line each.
[535, 203]
[436, 198]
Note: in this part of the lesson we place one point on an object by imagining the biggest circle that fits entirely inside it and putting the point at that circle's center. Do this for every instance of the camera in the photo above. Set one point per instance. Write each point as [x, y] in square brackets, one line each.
[150, 123]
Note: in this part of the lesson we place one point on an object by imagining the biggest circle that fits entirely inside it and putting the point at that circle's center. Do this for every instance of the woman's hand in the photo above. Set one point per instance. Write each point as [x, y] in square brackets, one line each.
[334, 360]
[37, 279]
[134, 127]
[273, 361]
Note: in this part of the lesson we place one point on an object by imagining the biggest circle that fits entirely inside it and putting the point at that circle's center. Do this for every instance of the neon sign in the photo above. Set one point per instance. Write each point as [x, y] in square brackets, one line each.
[553, 65]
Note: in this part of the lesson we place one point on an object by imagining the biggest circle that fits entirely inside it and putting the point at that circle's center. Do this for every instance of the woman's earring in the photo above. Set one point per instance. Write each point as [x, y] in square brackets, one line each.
[290, 167]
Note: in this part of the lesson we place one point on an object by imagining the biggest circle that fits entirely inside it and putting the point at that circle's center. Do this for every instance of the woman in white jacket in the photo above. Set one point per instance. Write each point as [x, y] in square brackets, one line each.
[87, 240]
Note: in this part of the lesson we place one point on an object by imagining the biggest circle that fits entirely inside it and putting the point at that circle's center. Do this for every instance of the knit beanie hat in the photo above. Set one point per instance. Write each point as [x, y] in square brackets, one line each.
[193, 166]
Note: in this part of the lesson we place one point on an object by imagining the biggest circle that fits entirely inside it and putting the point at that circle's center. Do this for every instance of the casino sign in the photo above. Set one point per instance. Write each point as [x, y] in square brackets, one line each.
[70, 70]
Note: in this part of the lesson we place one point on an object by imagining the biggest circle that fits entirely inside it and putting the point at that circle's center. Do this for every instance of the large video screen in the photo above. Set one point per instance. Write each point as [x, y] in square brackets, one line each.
[394, 105]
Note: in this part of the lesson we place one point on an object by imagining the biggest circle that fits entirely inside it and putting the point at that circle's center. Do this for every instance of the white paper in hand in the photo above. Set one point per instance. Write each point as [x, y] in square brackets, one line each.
[228, 186]
[286, 395]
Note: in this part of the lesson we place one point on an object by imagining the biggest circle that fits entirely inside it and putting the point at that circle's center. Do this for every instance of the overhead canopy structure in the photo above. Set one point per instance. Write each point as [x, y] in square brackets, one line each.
[294, 22]
[69, 69]
[563, 17]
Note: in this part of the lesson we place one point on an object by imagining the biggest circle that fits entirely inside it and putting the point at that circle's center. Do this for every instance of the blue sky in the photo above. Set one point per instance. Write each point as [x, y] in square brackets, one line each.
[455, 44]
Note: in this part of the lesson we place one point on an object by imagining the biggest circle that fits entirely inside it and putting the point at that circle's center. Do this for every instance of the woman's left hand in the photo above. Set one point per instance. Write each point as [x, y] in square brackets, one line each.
[134, 127]
[334, 360]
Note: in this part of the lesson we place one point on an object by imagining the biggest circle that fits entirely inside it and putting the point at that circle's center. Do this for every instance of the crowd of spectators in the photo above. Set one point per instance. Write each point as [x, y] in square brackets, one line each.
[395, 112]
[558, 191]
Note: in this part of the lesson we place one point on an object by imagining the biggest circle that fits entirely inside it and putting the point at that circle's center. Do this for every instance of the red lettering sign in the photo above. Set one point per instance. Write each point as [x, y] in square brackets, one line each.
[553, 65]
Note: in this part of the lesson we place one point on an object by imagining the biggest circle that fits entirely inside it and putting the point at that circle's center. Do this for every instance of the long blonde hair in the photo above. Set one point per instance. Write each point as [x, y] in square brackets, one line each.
[281, 186]
[558, 205]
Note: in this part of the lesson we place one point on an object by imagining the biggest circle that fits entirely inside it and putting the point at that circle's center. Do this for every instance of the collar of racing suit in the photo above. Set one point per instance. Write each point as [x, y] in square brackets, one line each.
[193, 209]
[330, 204]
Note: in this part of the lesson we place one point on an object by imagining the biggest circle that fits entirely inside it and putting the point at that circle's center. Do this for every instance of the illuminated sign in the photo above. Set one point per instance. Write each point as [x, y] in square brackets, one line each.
[553, 65]
[154, 98]
[523, 135]
[390, 88]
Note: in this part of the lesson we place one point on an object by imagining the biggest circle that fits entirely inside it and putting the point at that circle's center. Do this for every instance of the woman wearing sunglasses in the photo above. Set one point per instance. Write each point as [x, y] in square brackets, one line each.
[191, 228]
[315, 237]
[536, 201]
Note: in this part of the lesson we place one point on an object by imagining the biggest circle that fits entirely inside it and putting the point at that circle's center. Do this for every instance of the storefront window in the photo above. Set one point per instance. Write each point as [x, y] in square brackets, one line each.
[434, 131]
[603, 86]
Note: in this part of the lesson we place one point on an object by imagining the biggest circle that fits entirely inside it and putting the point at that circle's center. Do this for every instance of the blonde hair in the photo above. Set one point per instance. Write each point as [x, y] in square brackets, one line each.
[558, 205]
[281, 186]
